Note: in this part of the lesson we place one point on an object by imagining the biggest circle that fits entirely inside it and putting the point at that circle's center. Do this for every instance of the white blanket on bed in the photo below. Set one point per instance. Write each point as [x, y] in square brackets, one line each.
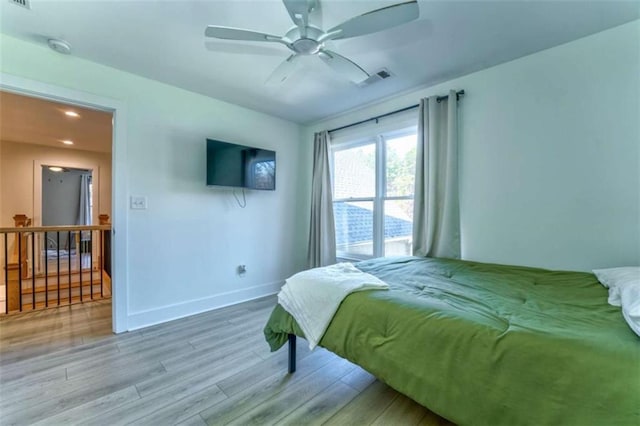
[312, 297]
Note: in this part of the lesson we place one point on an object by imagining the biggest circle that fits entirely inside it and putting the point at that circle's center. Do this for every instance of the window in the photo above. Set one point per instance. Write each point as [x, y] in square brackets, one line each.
[373, 180]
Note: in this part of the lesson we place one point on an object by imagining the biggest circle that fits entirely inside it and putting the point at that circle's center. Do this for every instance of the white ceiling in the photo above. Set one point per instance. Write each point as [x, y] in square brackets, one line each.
[164, 40]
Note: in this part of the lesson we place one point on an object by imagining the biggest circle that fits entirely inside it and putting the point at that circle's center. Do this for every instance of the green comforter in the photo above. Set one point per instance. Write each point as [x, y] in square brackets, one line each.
[489, 344]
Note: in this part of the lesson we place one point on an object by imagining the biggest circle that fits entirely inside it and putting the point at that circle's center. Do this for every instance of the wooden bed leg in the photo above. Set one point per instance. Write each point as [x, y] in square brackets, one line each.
[292, 353]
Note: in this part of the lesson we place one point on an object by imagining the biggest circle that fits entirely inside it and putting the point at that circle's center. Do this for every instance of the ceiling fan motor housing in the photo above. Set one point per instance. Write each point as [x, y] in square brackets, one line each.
[307, 44]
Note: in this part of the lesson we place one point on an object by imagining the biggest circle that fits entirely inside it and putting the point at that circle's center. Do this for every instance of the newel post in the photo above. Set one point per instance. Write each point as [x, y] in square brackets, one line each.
[21, 220]
[18, 264]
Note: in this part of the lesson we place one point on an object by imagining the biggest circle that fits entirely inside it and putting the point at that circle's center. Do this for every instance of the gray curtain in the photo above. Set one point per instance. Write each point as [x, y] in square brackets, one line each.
[84, 211]
[436, 211]
[322, 233]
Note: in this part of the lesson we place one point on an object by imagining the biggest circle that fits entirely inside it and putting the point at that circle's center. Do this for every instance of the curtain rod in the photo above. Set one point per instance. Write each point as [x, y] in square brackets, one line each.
[439, 98]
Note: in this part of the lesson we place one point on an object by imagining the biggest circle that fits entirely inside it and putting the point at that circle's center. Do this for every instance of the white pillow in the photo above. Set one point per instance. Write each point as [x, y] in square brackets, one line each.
[624, 290]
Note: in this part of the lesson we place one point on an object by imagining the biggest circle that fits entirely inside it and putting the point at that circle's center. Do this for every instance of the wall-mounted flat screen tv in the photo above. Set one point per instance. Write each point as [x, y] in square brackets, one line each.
[240, 166]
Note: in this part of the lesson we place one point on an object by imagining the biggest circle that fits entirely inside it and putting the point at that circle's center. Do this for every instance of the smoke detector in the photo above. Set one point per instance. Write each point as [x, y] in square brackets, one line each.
[59, 46]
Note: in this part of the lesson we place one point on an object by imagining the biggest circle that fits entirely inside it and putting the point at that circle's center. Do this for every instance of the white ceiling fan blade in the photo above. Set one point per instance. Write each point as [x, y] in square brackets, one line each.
[229, 33]
[299, 10]
[343, 66]
[377, 20]
[220, 46]
[283, 71]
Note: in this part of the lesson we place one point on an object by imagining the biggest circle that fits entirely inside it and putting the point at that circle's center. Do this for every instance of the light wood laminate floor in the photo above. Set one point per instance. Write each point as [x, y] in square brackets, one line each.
[63, 366]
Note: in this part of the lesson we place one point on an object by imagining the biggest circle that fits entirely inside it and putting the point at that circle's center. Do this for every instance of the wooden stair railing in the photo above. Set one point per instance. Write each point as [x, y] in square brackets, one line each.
[28, 287]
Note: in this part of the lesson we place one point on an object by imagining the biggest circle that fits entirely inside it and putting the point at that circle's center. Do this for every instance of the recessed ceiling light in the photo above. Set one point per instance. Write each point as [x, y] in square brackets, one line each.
[55, 168]
[71, 114]
[67, 142]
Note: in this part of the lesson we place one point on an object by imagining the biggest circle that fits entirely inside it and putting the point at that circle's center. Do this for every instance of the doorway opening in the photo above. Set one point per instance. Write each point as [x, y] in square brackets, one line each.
[55, 204]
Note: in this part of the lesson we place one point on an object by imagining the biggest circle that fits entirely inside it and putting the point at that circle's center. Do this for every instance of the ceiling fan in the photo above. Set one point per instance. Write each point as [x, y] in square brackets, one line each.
[306, 39]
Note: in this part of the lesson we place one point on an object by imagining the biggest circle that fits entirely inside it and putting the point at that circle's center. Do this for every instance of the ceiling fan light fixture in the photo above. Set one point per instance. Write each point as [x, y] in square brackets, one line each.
[306, 46]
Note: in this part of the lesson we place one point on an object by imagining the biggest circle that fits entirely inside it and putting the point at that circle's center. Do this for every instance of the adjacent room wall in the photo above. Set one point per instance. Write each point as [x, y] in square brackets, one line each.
[183, 250]
[16, 174]
[549, 154]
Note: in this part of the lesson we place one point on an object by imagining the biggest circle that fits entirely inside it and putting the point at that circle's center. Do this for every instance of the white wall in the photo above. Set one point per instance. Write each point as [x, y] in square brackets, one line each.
[183, 250]
[550, 154]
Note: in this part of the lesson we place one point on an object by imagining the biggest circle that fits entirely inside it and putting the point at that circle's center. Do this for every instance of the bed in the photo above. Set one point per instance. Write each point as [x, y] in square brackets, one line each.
[488, 344]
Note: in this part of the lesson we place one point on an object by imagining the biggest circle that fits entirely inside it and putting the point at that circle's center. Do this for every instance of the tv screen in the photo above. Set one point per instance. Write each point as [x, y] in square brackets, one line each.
[240, 166]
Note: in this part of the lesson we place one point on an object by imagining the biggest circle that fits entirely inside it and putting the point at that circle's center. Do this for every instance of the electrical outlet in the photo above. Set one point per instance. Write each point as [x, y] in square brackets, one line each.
[138, 203]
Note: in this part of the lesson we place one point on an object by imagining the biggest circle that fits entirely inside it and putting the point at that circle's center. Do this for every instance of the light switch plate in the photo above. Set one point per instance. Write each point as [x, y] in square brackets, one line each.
[138, 203]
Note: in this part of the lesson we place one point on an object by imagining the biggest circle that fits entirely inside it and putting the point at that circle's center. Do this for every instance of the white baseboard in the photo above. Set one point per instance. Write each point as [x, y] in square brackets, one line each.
[150, 317]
